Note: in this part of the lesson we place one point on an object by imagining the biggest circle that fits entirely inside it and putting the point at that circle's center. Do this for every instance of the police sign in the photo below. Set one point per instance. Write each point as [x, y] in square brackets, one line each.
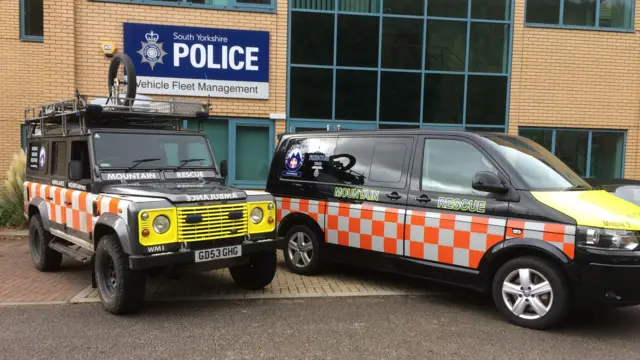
[192, 61]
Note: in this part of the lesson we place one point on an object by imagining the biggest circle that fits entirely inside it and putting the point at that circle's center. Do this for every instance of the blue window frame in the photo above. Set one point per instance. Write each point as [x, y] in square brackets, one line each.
[590, 153]
[32, 20]
[399, 64]
[607, 15]
[235, 5]
[246, 144]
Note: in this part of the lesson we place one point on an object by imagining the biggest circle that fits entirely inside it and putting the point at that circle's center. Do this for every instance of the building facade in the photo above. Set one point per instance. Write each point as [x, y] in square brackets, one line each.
[562, 72]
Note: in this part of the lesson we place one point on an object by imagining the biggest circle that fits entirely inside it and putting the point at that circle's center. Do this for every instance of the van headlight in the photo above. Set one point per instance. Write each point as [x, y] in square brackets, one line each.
[161, 224]
[611, 239]
[256, 215]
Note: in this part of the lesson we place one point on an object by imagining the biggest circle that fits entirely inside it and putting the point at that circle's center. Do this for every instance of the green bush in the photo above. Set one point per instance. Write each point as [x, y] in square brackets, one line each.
[12, 193]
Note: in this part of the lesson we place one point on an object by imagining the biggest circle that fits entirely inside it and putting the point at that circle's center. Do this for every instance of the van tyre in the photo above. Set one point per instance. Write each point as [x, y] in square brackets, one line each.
[121, 289]
[303, 251]
[44, 258]
[531, 292]
[258, 272]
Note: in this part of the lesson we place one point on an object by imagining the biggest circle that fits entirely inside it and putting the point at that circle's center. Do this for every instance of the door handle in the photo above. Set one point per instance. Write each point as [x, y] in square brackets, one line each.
[394, 196]
[50, 198]
[422, 198]
[68, 203]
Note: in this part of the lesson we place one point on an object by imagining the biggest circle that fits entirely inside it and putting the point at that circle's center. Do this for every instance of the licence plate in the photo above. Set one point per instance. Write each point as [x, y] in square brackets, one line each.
[218, 253]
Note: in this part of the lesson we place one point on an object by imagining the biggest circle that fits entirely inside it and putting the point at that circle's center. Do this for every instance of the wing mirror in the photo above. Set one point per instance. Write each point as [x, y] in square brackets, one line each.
[224, 169]
[489, 182]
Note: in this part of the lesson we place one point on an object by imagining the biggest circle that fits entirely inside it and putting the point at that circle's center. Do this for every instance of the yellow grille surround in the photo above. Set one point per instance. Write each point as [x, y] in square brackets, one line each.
[214, 222]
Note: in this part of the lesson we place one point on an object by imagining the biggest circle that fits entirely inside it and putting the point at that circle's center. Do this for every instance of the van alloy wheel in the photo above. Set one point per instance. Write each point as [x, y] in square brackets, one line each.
[527, 293]
[300, 249]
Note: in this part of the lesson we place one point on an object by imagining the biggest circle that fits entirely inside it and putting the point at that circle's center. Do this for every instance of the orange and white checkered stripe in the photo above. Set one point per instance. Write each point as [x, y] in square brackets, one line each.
[560, 235]
[313, 208]
[454, 239]
[366, 227]
[74, 208]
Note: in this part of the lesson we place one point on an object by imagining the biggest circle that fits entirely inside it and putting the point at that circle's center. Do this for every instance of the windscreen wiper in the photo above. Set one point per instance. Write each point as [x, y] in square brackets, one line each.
[140, 161]
[186, 161]
[579, 187]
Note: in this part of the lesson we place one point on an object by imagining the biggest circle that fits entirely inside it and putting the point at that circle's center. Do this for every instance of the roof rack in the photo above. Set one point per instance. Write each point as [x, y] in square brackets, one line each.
[85, 112]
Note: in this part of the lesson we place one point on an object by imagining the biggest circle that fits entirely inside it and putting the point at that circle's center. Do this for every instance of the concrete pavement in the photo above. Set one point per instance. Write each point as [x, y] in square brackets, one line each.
[457, 325]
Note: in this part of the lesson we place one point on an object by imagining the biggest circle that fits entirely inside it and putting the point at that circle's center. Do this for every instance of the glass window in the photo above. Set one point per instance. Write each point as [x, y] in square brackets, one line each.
[538, 167]
[485, 129]
[314, 154]
[313, 5]
[616, 14]
[80, 152]
[356, 94]
[388, 161]
[606, 155]
[311, 38]
[400, 96]
[443, 98]
[446, 45]
[439, 176]
[252, 153]
[447, 8]
[404, 7]
[540, 136]
[489, 47]
[363, 6]
[217, 131]
[358, 40]
[398, 126]
[32, 18]
[158, 151]
[486, 100]
[571, 148]
[491, 9]
[256, 2]
[311, 93]
[352, 160]
[402, 43]
[59, 158]
[37, 157]
[579, 12]
[543, 11]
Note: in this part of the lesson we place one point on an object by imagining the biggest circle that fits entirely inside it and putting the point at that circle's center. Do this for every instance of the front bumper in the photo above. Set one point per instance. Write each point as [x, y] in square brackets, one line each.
[607, 277]
[186, 256]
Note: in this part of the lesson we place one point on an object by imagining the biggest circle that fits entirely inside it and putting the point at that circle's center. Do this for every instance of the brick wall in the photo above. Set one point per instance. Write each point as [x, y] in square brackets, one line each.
[71, 56]
[577, 78]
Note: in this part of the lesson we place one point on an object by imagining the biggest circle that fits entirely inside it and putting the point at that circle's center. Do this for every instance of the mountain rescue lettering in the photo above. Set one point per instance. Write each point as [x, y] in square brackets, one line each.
[212, 197]
[132, 176]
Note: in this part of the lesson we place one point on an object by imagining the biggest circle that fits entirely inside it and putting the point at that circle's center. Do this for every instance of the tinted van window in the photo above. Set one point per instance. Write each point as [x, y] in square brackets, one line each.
[309, 159]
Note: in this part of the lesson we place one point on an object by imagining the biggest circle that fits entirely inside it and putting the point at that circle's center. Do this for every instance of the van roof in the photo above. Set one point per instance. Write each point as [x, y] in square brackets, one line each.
[469, 133]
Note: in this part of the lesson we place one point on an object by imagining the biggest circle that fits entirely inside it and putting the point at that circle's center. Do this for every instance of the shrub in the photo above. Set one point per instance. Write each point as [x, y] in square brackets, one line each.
[12, 193]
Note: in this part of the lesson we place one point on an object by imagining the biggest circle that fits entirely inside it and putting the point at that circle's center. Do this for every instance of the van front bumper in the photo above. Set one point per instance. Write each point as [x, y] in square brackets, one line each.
[607, 277]
[188, 256]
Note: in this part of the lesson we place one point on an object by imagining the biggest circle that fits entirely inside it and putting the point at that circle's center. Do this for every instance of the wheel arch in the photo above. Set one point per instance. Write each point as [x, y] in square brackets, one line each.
[298, 218]
[39, 207]
[514, 248]
[112, 224]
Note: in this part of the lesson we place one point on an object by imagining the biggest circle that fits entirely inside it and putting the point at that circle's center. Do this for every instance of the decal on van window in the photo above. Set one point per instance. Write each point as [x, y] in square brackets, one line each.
[477, 206]
[293, 162]
[356, 193]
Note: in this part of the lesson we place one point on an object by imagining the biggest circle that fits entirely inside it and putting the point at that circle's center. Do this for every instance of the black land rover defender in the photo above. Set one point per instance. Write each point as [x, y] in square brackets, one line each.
[122, 186]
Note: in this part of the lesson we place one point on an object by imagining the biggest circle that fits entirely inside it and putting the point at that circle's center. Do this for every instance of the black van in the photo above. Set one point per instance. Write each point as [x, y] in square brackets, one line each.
[489, 211]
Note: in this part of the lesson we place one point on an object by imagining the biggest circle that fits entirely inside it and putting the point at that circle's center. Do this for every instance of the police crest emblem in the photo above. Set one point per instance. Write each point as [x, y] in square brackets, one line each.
[151, 51]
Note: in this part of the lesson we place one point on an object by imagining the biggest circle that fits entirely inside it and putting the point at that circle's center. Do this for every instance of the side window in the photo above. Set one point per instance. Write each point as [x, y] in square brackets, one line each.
[80, 152]
[59, 158]
[309, 159]
[37, 157]
[371, 161]
[450, 165]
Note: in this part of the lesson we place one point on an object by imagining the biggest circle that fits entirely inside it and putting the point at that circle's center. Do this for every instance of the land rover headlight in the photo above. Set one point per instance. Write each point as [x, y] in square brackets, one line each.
[161, 224]
[256, 215]
[611, 239]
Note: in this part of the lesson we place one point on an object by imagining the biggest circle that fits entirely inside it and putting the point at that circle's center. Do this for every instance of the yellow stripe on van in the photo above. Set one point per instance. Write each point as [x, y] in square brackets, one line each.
[596, 208]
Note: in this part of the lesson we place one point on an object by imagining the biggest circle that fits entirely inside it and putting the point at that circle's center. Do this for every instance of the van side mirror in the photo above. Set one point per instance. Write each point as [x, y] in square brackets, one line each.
[489, 182]
[224, 169]
[75, 170]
